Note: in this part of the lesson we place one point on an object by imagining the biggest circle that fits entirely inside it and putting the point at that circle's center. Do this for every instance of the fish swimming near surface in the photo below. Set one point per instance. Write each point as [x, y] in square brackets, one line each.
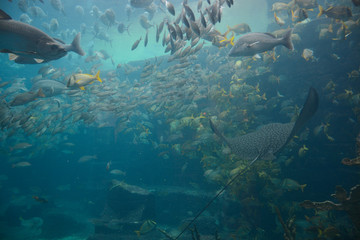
[268, 140]
[253, 43]
[31, 44]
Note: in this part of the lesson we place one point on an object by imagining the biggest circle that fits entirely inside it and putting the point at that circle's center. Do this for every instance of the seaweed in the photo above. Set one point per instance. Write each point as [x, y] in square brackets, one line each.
[289, 227]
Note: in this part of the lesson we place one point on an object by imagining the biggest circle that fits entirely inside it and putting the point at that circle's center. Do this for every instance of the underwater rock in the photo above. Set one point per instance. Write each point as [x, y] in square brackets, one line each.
[351, 204]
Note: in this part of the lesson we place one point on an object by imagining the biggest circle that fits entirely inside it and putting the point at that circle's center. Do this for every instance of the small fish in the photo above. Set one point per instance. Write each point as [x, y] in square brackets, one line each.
[80, 80]
[336, 12]
[308, 4]
[240, 28]
[87, 158]
[170, 7]
[189, 12]
[195, 28]
[279, 20]
[146, 227]
[203, 20]
[146, 39]
[21, 165]
[40, 199]
[22, 145]
[136, 44]
[307, 54]
[302, 151]
[299, 15]
[117, 172]
[291, 185]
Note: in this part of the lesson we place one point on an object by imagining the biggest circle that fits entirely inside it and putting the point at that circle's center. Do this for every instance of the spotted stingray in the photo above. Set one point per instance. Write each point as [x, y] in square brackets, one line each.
[269, 139]
[264, 143]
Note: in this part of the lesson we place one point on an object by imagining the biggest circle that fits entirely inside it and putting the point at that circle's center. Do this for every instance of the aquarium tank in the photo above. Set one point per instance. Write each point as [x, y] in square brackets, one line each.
[179, 119]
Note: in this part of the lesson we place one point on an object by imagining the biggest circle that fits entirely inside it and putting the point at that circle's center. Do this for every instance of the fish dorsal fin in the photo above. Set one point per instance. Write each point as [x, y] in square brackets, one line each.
[270, 34]
[4, 15]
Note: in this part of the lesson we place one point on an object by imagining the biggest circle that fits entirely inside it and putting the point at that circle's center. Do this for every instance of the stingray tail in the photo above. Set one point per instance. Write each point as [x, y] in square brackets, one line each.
[308, 110]
[217, 132]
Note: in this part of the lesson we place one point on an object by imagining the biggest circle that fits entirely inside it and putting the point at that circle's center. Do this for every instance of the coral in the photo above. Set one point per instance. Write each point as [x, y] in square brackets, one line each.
[350, 204]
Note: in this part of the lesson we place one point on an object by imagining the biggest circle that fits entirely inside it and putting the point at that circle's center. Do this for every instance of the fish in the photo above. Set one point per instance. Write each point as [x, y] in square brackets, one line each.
[308, 4]
[291, 185]
[117, 172]
[22, 145]
[336, 12]
[86, 158]
[269, 139]
[278, 20]
[146, 227]
[146, 38]
[254, 43]
[170, 7]
[22, 39]
[80, 80]
[58, 5]
[136, 44]
[302, 151]
[49, 87]
[21, 165]
[189, 12]
[240, 28]
[307, 54]
[140, 3]
[299, 15]
[280, 6]
[40, 199]
[26, 97]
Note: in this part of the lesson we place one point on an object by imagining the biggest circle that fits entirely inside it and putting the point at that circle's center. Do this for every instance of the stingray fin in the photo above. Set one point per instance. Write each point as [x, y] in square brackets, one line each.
[218, 133]
[310, 107]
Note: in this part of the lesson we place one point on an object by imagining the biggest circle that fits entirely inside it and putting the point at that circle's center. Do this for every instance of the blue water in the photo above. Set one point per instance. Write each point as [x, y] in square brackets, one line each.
[154, 131]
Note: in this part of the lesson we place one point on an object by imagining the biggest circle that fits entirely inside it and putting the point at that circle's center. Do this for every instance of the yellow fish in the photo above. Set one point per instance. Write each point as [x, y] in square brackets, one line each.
[80, 80]
[302, 151]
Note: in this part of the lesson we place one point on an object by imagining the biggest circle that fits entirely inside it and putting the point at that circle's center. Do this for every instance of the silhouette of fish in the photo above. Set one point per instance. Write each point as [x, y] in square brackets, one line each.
[268, 140]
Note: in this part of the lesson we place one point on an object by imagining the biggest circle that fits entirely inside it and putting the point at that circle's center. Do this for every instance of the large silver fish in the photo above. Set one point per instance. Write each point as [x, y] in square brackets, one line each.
[253, 43]
[268, 140]
[21, 39]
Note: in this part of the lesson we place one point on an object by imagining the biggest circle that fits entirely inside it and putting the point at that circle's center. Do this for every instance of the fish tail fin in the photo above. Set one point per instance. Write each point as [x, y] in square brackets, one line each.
[287, 40]
[75, 46]
[98, 76]
[302, 187]
[40, 93]
[321, 11]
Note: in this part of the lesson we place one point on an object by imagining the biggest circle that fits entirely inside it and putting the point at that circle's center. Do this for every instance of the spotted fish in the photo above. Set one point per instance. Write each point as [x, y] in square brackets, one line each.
[268, 140]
